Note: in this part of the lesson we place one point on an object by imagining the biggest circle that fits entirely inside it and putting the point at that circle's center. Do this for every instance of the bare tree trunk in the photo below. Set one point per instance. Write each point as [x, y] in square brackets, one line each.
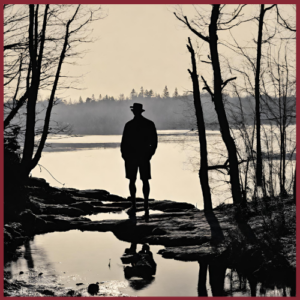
[257, 98]
[51, 100]
[203, 172]
[219, 106]
[284, 127]
[32, 95]
[15, 110]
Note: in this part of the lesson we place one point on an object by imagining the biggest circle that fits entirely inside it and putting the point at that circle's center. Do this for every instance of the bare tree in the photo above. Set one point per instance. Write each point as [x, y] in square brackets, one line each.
[216, 23]
[285, 21]
[257, 94]
[203, 172]
[278, 89]
[53, 35]
[274, 102]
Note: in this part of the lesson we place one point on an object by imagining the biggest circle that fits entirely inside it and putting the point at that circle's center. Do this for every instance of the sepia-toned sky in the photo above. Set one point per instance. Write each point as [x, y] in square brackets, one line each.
[143, 45]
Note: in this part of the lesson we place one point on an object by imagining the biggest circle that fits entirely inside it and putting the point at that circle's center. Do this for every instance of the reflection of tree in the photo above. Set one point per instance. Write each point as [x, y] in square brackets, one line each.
[217, 271]
[36, 260]
[260, 283]
[202, 291]
[28, 255]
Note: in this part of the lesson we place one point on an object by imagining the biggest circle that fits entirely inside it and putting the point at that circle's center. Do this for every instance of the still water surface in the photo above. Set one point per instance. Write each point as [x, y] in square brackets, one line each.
[102, 167]
[83, 257]
[94, 162]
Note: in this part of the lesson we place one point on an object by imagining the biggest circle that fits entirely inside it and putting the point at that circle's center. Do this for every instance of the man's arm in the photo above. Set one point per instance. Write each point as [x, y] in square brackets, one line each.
[153, 141]
[124, 142]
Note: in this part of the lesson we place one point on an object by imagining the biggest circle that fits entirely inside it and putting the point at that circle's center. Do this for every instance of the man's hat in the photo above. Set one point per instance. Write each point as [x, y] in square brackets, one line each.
[137, 107]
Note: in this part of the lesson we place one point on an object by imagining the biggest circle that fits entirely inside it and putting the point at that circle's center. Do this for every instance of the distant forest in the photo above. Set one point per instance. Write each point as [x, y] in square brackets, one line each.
[108, 115]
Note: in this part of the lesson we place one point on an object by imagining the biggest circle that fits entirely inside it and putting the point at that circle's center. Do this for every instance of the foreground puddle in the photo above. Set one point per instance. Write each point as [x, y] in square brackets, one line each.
[74, 259]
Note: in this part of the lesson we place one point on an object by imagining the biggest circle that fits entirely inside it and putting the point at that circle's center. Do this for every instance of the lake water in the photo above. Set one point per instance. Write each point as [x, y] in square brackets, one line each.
[68, 258]
[94, 162]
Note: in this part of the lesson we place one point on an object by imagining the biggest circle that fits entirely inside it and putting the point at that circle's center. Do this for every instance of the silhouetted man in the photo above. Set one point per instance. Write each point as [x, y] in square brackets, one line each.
[138, 145]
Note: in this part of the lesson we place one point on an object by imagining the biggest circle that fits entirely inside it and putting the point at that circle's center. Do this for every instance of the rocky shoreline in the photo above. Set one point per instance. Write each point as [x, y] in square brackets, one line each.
[188, 234]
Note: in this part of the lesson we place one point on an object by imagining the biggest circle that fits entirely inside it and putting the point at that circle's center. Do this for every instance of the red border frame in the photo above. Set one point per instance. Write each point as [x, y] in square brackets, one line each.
[134, 2]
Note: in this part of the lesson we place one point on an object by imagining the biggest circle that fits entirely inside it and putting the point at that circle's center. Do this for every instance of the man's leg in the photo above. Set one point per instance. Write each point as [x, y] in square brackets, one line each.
[132, 189]
[131, 168]
[146, 192]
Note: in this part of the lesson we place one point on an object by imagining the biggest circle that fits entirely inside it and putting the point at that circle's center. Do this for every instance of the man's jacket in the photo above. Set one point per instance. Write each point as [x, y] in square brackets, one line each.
[139, 139]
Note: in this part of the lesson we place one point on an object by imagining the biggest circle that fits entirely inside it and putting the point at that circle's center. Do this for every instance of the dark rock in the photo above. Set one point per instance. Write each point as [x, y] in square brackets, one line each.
[21, 273]
[96, 203]
[158, 231]
[46, 292]
[12, 286]
[93, 194]
[93, 288]
[71, 293]
[28, 219]
[120, 204]
[110, 209]
[32, 223]
[112, 197]
[35, 206]
[170, 206]
[37, 182]
[7, 236]
[85, 207]
[204, 252]
[140, 200]
[60, 209]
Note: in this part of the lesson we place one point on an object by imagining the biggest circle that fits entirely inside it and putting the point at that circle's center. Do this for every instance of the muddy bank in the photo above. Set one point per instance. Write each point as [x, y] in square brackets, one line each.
[215, 240]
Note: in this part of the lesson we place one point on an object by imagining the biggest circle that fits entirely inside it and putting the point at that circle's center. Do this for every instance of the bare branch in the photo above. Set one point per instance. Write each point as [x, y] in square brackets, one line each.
[228, 80]
[186, 22]
[208, 88]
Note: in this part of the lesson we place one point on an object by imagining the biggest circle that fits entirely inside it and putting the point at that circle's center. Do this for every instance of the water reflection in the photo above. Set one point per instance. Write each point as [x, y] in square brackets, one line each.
[73, 257]
[202, 291]
[230, 282]
[84, 257]
[28, 255]
[143, 267]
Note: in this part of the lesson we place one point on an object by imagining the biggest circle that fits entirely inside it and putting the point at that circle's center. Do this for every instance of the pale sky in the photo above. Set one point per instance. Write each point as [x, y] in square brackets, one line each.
[141, 45]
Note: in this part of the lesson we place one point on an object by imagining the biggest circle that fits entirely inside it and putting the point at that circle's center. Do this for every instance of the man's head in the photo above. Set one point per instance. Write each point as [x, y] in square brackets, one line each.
[137, 109]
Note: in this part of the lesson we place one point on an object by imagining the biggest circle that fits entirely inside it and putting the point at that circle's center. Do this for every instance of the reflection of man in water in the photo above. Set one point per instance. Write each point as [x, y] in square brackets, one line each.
[142, 266]
[138, 145]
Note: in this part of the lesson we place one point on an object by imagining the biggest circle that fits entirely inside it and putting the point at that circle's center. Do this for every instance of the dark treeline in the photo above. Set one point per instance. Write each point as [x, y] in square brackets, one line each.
[108, 116]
